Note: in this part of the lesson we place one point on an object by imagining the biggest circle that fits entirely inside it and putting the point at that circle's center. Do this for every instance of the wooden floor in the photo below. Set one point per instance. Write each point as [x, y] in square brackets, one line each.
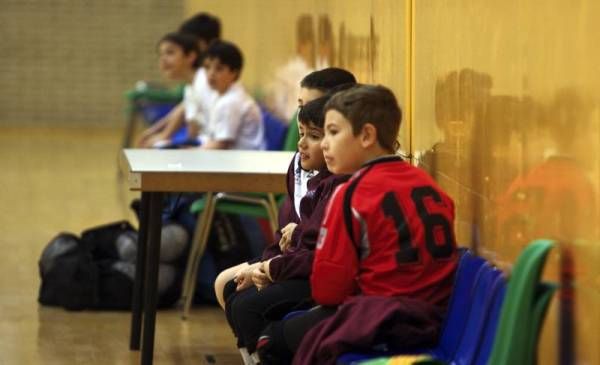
[54, 180]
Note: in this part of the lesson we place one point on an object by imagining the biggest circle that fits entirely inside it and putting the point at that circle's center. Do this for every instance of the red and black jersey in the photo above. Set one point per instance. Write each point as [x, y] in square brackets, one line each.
[388, 231]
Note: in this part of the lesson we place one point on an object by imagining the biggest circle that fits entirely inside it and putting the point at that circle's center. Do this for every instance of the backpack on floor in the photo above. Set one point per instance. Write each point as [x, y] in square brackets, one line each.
[97, 271]
[69, 275]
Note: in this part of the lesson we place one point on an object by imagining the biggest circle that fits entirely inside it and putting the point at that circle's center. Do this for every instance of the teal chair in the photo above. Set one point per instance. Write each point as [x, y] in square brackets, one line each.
[525, 306]
[258, 205]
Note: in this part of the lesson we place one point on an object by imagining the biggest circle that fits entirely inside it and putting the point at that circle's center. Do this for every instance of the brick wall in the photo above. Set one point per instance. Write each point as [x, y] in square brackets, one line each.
[69, 62]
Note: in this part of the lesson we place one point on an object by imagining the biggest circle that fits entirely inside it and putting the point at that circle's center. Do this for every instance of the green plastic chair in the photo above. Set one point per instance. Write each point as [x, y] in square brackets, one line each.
[258, 205]
[545, 292]
[524, 307]
[143, 95]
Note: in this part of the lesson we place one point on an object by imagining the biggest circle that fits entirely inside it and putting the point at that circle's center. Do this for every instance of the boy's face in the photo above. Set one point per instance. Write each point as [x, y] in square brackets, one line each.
[173, 62]
[344, 152]
[309, 146]
[220, 77]
[307, 95]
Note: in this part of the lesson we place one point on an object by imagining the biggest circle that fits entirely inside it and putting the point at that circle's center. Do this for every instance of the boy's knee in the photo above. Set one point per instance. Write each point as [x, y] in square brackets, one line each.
[220, 283]
[271, 346]
[228, 289]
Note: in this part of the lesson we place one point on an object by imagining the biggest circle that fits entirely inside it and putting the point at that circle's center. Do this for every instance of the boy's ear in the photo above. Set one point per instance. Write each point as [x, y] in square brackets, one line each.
[368, 135]
[192, 57]
[237, 74]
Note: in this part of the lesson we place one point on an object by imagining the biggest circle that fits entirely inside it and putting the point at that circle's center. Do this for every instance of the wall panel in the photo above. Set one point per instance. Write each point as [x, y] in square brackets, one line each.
[70, 62]
[506, 119]
[505, 115]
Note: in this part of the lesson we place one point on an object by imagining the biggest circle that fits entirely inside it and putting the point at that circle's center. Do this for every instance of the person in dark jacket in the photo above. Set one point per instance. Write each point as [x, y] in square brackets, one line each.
[277, 283]
[314, 85]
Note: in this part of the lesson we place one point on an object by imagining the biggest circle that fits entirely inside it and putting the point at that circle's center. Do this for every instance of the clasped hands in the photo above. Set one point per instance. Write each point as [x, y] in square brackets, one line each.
[256, 274]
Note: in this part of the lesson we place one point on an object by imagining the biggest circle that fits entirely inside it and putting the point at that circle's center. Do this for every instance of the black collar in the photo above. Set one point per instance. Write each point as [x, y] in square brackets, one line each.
[386, 158]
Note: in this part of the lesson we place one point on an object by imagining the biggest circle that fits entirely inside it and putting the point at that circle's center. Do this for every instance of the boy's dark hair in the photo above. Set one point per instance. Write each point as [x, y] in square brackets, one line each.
[373, 104]
[313, 112]
[186, 42]
[203, 26]
[227, 53]
[326, 79]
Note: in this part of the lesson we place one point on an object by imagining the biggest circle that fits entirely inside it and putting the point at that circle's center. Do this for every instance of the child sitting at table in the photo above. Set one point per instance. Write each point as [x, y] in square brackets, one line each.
[281, 278]
[198, 96]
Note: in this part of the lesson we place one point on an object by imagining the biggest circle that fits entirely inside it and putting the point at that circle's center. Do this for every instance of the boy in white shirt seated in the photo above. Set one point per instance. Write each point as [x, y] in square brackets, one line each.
[235, 120]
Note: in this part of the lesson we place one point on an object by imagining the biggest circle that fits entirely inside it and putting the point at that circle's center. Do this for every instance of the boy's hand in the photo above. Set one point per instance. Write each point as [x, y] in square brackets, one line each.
[158, 127]
[286, 236]
[158, 140]
[243, 278]
[261, 276]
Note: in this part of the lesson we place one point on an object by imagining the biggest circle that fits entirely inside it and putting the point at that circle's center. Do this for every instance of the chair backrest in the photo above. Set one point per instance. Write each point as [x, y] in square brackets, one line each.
[515, 332]
[485, 347]
[459, 306]
[154, 112]
[153, 101]
[489, 281]
[544, 293]
[149, 92]
[275, 130]
[292, 136]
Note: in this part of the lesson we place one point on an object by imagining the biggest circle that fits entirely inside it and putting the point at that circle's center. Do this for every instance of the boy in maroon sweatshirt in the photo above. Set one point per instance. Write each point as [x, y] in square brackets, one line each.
[279, 280]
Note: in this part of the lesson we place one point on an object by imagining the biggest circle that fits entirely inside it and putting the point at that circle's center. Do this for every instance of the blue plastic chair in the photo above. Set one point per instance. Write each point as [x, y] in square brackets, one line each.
[485, 349]
[459, 306]
[489, 281]
[151, 101]
[275, 130]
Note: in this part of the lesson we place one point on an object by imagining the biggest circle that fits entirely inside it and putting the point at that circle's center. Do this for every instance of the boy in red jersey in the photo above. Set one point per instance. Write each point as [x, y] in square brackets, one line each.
[386, 251]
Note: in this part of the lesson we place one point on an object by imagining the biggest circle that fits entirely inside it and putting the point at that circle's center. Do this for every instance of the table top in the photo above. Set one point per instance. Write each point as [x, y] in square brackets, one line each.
[194, 170]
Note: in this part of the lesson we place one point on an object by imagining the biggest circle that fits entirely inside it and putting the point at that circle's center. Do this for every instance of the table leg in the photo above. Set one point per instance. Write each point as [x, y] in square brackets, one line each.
[151, 277]
[138, 284]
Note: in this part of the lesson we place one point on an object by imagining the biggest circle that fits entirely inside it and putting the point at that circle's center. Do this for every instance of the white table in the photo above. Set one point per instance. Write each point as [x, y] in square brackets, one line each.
[154, 172]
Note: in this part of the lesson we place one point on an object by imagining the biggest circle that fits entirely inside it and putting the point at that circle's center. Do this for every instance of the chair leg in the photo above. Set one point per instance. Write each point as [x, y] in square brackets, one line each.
[274, 207]
[272, 211]
[196, 251]
[132, 116]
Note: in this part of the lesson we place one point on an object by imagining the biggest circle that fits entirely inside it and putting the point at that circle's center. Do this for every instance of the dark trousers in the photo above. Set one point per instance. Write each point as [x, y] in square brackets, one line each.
[280, 340]
[249, 311]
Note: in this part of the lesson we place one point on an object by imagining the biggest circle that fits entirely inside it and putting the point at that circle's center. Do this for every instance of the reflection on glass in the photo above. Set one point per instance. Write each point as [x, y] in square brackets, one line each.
[554, 198]
[281, 97]
[455, 162]
[357, 52]
[325, 43]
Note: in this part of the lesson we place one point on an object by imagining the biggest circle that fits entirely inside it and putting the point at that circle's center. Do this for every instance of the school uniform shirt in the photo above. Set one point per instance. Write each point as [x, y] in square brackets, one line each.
[235, 117]
[198, 99]
[387, 232]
